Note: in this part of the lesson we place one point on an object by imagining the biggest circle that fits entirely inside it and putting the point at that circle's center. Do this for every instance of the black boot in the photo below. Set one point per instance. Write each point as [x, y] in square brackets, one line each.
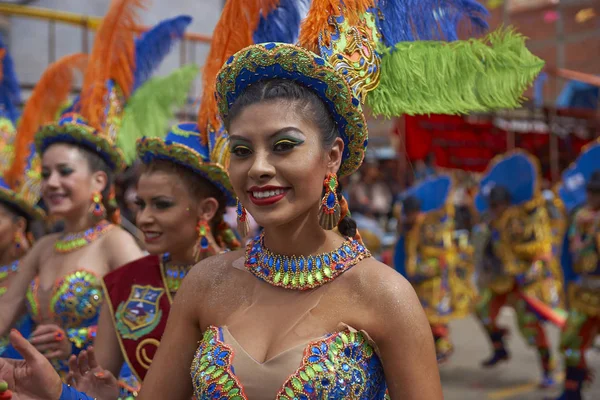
[573, 381]
[547, 367]
[500, 352]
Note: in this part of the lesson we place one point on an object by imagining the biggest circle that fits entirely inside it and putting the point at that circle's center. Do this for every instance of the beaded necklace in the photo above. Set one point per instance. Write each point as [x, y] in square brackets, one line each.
[6, 270]
[75, 241]
[302, 272]
[174, 274]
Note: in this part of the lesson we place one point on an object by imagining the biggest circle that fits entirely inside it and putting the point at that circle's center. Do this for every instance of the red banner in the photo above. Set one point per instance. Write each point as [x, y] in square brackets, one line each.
[460, 144]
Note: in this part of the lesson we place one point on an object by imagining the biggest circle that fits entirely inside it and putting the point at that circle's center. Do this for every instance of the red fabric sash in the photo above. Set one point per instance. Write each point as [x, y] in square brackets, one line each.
[140, 303]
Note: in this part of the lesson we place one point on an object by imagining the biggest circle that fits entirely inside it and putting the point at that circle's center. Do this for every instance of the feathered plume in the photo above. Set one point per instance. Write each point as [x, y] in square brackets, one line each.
[233, 32]
[317, 19]
[150, 109]
[283, 23]
[48, 96]
[411, 20]
[153, 46]
[10, 92]
[427, 77]
[112, 57]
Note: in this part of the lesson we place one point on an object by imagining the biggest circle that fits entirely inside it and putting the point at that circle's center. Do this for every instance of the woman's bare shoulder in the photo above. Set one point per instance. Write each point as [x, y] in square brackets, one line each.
[216, 269]
[379, 291]
[371, 277]
[45, 244]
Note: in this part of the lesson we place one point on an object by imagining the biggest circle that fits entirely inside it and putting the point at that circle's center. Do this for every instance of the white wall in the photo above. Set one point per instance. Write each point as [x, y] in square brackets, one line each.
[28, 38]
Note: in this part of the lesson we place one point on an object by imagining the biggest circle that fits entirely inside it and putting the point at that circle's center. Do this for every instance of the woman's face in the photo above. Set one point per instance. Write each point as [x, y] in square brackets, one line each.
[67, 182]
[278, 163]
[167, 213]
[8, 229]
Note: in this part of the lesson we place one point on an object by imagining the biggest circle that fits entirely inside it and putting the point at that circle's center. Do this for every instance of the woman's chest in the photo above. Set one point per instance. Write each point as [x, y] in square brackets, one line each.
[67, 290]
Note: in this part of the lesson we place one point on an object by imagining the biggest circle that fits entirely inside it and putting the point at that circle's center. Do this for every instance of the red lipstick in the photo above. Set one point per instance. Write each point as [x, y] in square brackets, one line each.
[266, 195]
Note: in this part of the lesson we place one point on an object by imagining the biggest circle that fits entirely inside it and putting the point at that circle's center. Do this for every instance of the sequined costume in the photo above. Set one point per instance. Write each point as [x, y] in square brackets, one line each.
[581, 265]
[74, 305]
[428, 256]
[341, 364]
[517, 264]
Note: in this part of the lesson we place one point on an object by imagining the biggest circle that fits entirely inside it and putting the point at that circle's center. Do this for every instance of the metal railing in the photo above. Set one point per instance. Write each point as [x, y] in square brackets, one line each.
[187, 49]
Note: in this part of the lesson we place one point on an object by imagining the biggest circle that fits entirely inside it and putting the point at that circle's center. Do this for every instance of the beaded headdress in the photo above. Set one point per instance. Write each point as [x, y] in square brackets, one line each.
[398, 57]
[119, 64]
[20, 166]
[182, 146]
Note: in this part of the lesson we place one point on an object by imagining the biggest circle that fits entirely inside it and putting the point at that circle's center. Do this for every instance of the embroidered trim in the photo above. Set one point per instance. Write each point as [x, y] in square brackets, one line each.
[9, 269]
[302, 272]
[341, 365]
[212, 372]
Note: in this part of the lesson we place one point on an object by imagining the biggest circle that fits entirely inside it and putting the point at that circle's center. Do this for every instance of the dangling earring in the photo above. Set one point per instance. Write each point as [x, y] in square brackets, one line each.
[243, 225]
[204, 248]
[18, 240]
[330, 211]
[97, 208]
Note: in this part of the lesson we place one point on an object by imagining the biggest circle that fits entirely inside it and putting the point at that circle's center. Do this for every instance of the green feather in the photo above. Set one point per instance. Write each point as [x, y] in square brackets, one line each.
[151, 109]
[427, 77]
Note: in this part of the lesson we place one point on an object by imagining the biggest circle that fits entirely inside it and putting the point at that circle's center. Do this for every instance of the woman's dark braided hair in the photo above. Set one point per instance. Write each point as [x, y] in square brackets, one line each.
[308, 105]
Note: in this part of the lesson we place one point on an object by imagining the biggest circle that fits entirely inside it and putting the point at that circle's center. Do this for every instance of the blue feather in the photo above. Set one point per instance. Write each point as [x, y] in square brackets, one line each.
[10, 91]
[283, 23]
[153, 46]
[411, 20]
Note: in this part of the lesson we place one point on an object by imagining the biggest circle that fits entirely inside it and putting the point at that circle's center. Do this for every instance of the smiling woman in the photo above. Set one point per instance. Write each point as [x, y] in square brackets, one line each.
[60, 279]
[182, 193]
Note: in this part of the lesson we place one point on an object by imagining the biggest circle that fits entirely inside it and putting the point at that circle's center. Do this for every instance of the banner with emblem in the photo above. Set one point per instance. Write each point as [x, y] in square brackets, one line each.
[140, 304]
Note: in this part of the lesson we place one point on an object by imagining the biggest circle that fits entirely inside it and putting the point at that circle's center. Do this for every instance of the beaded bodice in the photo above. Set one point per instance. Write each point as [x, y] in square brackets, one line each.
[75, 300]
[340, 365]
[5, 272]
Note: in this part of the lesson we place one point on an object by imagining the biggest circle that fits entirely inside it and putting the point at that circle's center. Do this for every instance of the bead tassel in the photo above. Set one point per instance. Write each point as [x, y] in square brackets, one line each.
[330, 211]
[242, 221]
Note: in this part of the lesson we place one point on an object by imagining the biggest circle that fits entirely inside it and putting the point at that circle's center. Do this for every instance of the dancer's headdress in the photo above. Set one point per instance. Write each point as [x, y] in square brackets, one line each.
[388, 54]
[20, 164]
[183, 146]
[202, 146]
[118, 65]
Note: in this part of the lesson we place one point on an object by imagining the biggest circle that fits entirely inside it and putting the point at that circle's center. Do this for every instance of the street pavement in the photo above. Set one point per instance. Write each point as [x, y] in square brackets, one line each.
[464, 379]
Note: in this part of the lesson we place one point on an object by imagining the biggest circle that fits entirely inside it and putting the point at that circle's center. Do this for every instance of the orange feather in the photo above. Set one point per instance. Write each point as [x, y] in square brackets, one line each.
[112, 57]
[49, 94]
[317, 19]
[233, 32]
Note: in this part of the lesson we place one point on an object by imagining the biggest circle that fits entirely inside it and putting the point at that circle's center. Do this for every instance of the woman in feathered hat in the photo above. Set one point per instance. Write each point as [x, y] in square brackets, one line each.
[304, 312]
[181, 194]
[80, 154]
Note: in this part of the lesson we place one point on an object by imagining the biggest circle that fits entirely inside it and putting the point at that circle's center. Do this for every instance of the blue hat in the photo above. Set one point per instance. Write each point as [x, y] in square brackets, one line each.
[182, 146]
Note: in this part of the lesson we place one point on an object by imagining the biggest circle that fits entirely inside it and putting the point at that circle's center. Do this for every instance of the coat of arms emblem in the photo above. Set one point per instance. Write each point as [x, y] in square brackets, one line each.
[140, 313]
